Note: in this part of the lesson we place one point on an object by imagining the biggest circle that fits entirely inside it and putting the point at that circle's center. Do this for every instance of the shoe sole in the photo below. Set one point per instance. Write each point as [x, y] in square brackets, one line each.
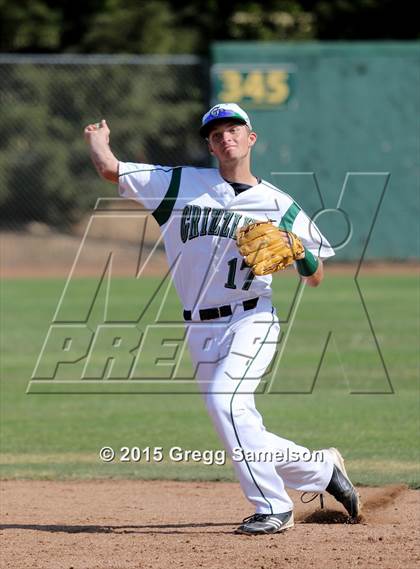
[289, 524]
[338, 458]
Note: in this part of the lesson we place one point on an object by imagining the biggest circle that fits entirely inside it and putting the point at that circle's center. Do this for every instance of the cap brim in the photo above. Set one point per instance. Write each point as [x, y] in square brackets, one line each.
[205, 129]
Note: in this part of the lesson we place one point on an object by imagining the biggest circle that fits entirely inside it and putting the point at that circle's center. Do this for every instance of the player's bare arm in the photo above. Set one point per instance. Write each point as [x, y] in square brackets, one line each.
[106, 164]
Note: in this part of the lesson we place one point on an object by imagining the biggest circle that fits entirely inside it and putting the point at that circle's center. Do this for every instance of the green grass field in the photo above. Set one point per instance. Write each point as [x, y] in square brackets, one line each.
[350, 400]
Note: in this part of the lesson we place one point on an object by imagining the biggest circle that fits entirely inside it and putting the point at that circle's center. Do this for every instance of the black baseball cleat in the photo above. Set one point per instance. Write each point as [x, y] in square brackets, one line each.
[341, 488]
[258, 524]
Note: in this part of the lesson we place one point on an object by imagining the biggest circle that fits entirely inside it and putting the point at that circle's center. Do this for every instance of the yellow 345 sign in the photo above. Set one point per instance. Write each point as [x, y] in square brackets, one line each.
[263, 88]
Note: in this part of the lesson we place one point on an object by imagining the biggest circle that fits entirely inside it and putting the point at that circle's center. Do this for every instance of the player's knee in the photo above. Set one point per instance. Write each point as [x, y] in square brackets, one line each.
[240, 413]
[225, 404]
[218, 403]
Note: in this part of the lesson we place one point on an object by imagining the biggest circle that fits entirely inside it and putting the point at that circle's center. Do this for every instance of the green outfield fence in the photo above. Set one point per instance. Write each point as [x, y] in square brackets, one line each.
[338, 127]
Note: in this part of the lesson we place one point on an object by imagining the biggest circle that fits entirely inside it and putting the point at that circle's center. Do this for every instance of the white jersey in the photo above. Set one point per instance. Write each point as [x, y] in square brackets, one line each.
[199, 213]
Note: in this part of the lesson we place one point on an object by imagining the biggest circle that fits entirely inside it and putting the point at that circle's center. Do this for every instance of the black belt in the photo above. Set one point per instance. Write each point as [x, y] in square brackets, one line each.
[226, 310]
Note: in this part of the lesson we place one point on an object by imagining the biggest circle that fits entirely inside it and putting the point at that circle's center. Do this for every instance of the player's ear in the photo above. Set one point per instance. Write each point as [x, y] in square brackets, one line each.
[209, 147]
[252, 138]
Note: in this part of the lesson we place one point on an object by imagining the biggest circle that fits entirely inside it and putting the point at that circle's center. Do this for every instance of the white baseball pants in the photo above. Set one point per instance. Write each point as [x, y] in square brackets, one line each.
[231, 354]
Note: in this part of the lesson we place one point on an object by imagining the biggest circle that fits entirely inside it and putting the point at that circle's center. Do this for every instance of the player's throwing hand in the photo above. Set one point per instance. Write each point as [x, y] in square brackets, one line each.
[97, 137]
[97, 131]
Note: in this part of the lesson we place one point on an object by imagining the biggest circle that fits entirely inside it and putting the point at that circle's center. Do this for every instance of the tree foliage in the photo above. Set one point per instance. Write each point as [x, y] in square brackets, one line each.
[174, 26]
[45, 171]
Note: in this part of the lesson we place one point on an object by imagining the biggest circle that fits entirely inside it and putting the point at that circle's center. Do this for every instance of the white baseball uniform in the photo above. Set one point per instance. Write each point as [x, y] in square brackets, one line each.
[232, 327]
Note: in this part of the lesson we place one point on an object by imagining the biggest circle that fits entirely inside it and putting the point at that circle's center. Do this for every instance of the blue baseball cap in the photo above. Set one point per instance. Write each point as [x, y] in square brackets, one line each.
[223, 111]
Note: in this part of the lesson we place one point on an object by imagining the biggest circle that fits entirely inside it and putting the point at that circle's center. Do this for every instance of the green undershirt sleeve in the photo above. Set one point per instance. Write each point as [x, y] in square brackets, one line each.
[307, 266]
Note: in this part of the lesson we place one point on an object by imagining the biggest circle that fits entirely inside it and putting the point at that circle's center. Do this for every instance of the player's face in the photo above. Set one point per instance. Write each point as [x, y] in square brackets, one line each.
[230, 141]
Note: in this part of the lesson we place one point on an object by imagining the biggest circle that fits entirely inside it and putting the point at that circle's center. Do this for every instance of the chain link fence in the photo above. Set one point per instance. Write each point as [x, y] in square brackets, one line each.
[152, 104]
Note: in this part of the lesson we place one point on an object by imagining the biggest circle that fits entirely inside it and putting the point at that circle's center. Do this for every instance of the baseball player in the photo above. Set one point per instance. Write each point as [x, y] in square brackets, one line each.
[225, 231]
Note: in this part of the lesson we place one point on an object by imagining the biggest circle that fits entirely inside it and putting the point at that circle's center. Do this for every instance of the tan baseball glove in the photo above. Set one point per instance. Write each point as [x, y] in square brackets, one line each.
[267, 248]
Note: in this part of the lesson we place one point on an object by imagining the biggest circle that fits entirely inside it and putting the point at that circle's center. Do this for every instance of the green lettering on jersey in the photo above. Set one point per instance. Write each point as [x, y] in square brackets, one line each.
[234, 226]
[224, 230]
[195, 218]
[216, 214]
[206, 211]
[185, 224]
[248, 220]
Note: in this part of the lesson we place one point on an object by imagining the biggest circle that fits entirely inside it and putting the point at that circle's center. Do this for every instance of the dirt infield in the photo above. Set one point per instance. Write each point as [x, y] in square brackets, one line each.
[138, 525]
